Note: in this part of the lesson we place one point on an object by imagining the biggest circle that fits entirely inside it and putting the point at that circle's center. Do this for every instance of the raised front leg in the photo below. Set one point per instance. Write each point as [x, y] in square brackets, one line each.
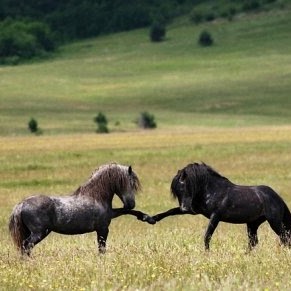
[214, 220]
[101, 239]
[138, 214]
[171, 212]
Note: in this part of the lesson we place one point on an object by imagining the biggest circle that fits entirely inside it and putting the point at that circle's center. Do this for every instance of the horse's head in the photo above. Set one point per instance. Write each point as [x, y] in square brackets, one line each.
[179, 189]
[131, 186]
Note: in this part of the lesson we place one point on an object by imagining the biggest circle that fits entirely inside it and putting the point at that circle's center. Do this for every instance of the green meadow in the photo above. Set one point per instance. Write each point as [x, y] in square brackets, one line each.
[228, 105]
[243, 79]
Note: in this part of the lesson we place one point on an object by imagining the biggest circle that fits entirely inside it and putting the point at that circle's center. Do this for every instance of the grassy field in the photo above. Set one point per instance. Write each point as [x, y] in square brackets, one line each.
[228, 105]
[244, 79]
[169, 255]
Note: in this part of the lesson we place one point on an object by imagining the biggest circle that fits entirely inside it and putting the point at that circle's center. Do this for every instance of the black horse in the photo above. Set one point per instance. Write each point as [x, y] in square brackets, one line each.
[202, 190]
[88, 209]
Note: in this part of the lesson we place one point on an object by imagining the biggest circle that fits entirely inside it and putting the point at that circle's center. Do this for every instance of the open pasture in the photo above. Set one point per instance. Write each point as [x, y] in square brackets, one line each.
[243, 79]
[228, 105]
[168, 255]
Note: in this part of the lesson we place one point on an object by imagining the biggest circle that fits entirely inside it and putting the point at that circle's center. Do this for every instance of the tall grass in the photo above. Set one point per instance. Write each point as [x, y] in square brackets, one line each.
[228, 106]
[168, 255]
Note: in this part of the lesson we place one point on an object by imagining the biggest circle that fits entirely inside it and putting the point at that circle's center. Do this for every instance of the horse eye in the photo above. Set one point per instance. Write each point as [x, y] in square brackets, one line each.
[131, 181]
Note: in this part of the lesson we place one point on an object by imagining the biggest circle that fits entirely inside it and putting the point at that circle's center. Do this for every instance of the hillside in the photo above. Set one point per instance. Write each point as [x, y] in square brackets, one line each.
[243, 79]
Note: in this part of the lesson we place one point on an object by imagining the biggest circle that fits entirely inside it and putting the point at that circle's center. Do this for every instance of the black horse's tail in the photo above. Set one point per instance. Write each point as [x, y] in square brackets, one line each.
[16, 227]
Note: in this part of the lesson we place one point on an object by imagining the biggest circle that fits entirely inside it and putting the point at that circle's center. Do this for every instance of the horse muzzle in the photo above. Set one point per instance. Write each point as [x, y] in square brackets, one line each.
[186, 206]
[129, 204]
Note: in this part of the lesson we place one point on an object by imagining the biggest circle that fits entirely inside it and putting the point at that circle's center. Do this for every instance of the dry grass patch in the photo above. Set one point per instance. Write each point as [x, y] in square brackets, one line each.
[169, 255]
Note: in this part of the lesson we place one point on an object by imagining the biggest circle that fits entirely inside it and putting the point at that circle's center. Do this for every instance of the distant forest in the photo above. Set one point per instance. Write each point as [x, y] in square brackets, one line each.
[32, 28]
[71, 19]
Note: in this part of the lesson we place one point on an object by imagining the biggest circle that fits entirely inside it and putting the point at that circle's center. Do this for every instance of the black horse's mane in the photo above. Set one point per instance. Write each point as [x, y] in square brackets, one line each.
[212, 171]
[196, 177]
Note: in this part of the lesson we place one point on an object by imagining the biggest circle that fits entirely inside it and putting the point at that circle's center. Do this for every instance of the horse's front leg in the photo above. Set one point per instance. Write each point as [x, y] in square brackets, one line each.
[138, 214]
[214, 220]
[101, 239]
[171, 212]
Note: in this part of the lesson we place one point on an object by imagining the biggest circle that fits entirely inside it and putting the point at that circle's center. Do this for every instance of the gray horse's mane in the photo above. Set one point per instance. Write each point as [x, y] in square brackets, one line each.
[108, 179]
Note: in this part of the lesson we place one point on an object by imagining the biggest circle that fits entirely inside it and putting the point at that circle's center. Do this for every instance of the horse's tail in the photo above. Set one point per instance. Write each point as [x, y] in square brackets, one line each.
[287, 219]
[16, 227]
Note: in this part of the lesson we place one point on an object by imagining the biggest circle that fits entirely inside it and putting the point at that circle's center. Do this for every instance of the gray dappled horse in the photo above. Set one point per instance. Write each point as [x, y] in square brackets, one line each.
[202, 190]
[88, 209]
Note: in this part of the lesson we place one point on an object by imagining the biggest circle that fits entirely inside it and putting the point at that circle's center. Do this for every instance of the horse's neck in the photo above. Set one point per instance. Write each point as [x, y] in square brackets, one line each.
[104, 196]
[217, 183]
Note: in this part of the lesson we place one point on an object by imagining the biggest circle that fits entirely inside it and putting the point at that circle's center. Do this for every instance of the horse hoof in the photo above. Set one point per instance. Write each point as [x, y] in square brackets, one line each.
[102, 251]
[151, 220]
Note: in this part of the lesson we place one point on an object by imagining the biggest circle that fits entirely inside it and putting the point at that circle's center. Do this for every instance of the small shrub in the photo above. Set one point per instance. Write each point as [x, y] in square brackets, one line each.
[201, 14]
[210, 16]
[147, 120]
[101, 121]
[205, 38]
[157, 32]
[32, 125]
[229, 13]
[250, 5]
[102, 128]
[197, 16]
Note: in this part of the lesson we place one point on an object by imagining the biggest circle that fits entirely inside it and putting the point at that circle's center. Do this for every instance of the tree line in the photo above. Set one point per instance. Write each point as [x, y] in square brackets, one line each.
[32, 28]
[73, 19]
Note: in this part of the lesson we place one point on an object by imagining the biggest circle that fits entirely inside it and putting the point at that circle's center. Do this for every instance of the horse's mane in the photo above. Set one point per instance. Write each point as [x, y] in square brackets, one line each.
[106, 179]
[196, 177]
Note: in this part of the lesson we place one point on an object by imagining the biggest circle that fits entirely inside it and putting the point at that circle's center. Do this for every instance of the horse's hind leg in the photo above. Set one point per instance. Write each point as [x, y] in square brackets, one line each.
[252, 228]
[101, 239]
[278, 228]
[32, 240]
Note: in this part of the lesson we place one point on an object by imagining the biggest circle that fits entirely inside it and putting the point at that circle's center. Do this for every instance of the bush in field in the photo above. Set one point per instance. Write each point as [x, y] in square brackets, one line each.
[24, 40]
[229, 13]
[205, 38]
[199, 15]
[147, 120]
[157, 32]
[101, 121]
[33, 126]
[249, 5]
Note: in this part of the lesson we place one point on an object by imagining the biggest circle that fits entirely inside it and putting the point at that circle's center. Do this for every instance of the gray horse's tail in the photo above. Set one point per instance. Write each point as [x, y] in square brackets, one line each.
[16, 227]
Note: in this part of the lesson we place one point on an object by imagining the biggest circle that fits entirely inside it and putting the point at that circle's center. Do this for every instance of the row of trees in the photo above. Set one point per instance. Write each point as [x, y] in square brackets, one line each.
[202, 13]
[32, 28]
[146, 120]
[73, 19]
[35, 28]
[22, 39]
[80, 19]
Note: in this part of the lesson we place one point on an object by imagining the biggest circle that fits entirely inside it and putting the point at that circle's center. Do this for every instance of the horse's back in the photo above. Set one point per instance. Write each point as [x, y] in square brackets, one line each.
[37, 202]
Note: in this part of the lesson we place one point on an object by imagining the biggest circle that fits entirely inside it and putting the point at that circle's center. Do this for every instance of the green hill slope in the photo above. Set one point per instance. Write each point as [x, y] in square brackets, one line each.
[244, 79]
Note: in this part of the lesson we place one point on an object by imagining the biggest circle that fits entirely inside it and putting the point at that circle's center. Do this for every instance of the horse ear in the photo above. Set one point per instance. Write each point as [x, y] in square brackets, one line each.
[129, 170]
[183, 177]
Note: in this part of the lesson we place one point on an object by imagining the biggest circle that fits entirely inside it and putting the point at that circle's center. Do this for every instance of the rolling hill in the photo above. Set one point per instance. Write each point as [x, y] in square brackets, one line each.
[242, 80]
